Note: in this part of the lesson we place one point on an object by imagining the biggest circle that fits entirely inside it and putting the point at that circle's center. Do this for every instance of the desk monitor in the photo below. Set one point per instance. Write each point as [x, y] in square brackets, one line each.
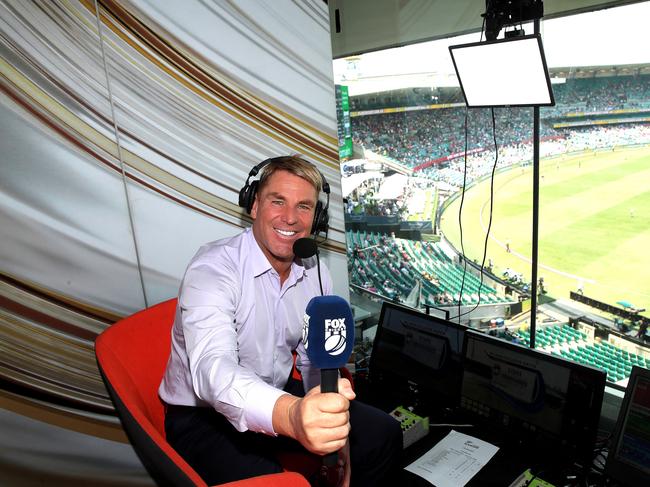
[628, 461]
[545, 401]
[424, 351]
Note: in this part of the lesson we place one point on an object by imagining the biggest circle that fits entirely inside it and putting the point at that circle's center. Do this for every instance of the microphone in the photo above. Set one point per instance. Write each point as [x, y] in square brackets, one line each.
[304, 248]
[328, 336]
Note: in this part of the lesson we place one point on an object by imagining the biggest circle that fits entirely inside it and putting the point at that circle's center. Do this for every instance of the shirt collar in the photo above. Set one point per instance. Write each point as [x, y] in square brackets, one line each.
[261, 264]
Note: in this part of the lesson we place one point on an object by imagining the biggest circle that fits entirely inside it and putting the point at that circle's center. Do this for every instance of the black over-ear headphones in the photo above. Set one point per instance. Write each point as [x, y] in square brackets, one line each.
[248, 192]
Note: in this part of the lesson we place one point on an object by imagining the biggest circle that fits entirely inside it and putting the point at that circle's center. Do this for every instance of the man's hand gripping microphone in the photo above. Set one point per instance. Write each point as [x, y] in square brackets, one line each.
[328, 338]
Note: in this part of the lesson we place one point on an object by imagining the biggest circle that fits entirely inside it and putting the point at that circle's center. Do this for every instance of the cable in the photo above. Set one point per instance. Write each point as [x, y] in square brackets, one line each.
[487, 233]
[603, 443]
[320, 282]
[483, 28]
[460, 219]
[118, 145]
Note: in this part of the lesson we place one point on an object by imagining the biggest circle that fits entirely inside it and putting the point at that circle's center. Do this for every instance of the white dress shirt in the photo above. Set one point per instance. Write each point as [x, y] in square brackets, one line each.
[235, 330]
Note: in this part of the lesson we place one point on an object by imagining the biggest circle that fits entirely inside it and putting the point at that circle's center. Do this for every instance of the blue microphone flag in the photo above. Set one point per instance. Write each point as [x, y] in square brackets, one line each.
[328, 332]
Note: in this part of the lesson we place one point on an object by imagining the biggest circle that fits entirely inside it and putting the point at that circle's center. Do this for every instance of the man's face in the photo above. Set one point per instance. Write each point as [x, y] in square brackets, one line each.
[283, 212]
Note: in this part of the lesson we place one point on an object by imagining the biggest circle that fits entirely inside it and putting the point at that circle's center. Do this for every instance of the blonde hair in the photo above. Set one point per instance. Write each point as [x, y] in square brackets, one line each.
[295, 165]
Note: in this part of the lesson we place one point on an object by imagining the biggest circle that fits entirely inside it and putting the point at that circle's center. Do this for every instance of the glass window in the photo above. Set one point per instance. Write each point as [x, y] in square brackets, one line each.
[418, 157]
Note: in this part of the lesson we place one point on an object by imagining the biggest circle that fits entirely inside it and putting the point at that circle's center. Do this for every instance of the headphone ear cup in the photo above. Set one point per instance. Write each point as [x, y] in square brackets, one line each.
[321, 219]
[243, 195]
[250, 196]
[247, 196]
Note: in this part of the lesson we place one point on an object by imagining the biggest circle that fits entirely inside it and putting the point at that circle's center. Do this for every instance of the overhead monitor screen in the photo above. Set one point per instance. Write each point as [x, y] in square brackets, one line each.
[505, 72]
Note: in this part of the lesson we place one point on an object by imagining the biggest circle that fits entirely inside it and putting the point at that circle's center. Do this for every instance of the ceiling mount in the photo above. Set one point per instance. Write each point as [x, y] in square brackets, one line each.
[501, 13]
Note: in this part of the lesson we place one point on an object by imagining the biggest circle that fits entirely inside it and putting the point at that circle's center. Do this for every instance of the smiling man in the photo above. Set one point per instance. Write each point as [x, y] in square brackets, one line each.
[283, 212]
[232, 401]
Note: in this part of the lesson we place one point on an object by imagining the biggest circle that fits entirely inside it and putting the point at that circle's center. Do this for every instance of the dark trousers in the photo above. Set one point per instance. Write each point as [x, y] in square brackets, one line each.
[219, 453]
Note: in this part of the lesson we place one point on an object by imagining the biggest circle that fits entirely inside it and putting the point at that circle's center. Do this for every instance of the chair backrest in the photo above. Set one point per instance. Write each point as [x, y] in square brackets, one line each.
[140, 345]
[132, 355]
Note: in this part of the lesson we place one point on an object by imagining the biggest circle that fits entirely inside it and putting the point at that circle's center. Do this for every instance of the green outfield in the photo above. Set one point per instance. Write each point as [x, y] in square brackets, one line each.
[594, 224]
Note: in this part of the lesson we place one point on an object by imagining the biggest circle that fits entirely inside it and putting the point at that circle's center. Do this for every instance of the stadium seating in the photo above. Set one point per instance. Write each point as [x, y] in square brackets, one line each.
[399, 262]
[565, 341]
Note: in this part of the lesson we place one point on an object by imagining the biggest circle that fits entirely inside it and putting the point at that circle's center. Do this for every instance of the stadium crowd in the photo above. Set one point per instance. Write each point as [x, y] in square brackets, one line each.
[415, 136]
[580, 120]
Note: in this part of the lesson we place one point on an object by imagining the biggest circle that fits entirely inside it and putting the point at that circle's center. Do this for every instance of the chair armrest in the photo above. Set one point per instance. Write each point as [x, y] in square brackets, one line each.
[284, 479]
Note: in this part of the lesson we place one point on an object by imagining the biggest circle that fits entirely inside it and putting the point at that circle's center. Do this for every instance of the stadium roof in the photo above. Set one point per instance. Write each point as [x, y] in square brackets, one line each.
[592, 42]
[371, 25]
[598, 71]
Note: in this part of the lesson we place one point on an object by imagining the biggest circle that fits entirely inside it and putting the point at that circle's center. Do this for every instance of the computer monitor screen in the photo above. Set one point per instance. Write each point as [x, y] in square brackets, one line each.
[628, 461]
[529, 394]
[505, 72]
[416, 348]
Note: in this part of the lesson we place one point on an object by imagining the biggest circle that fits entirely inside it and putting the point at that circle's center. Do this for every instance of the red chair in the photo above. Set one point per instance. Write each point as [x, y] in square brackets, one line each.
[132, 355]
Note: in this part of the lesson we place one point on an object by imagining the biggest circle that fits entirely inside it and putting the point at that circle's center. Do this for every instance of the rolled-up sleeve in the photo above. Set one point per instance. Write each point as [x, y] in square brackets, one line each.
[208, 302]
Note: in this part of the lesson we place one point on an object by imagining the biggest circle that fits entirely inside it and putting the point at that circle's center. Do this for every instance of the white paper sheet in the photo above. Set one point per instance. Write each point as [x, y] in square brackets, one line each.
[454, 460]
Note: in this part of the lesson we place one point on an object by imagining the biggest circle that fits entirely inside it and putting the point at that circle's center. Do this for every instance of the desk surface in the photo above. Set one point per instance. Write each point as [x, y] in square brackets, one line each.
[507, 464]
[500, 471]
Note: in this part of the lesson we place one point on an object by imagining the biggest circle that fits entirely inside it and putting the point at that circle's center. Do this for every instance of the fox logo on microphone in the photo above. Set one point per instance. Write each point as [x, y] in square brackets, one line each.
[335, 334]
[328, 331]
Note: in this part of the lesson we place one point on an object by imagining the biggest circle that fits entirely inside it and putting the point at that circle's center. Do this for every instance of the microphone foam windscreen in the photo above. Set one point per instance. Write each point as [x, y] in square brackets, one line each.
[305, 248]
[328, 332]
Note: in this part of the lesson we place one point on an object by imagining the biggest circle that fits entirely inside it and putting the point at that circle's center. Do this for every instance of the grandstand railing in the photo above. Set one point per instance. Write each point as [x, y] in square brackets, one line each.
[632, 315]
[469, 313]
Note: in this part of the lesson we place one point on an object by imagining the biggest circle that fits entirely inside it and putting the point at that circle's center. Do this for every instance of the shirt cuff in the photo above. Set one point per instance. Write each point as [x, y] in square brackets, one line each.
[260, 402]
